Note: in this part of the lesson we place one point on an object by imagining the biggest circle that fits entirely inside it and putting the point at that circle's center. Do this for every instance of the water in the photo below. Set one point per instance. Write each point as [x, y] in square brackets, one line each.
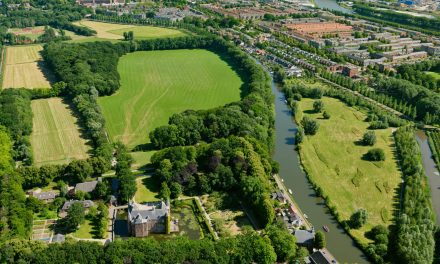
[431, 172]
[339, 243]
[332, 5]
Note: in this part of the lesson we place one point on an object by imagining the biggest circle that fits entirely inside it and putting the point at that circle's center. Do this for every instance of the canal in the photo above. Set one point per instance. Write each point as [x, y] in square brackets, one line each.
[431, 172]
[338, 242]
[332, 5]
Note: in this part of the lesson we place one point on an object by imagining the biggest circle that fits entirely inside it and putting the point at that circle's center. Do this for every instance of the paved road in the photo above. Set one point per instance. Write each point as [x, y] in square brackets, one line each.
[290, 201]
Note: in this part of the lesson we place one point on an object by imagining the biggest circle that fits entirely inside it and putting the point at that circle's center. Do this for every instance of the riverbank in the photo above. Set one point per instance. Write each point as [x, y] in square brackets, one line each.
[342, 246]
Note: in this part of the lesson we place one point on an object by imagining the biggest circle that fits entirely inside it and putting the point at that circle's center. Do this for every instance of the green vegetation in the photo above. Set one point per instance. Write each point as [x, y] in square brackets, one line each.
[435, 75]
[147, 32]
[147, 189]
[332, 158]
[158, 84]
[434, 144]
[415, 225]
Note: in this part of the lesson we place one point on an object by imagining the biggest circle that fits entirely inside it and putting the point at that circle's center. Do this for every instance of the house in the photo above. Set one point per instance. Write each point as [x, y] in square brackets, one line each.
[279, 196]
[86, 205]
[304, 238]
[148, 218]
[87, 187]
[321, 256]
[45, 196]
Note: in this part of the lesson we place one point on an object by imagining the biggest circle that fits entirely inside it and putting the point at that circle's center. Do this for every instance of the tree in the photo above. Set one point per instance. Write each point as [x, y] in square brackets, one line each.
[369, 138]
[165, 192]
[101, 191]
[326, 115]
[128, 186]
[359, 218]
[318, 106]
[319, 241]
[75, 216]
[283, 243]
[79, 170]
[310, 126]
[299, 136]
[375, 154]
[176, 190]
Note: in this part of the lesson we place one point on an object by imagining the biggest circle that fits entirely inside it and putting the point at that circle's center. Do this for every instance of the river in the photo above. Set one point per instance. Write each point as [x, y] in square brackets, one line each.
[332, 5]
[431, 172]
[339, 243]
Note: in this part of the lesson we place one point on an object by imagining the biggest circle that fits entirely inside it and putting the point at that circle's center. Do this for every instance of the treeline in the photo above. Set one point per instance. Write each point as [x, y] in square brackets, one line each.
[44, 13]
[416, 102]
[16, 220]
[429, 25]
[377, 117]
[233, 164]
[415, 224]
[16, 116]
[416, 73]
[247, 248]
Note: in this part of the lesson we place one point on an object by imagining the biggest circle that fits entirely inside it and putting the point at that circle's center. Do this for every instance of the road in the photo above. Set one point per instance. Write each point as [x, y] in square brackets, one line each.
[291, 202]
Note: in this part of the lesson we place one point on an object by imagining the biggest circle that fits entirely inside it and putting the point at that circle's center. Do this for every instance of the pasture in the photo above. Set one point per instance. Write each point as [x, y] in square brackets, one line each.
[24, 68]
[333, 160]
[115, 31]
[55, 137]
[158, 84]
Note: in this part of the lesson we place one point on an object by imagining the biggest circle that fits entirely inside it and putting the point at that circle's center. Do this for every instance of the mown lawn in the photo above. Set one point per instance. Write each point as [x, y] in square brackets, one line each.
[158, 84]
[333, 159]
[147, 189]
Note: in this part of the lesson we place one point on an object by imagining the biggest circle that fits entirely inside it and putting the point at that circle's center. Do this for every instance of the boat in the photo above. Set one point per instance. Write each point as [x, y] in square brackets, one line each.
[306, 216]
[290, 191]
[326, 229]
[282, 180]
[285, 101]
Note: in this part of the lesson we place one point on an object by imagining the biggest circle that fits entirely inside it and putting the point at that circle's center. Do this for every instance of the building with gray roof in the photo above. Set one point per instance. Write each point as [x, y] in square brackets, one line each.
[144, 219]
[87, 187]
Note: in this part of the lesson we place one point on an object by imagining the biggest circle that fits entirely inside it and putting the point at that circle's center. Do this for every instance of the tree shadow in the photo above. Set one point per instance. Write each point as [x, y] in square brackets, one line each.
[47, 73]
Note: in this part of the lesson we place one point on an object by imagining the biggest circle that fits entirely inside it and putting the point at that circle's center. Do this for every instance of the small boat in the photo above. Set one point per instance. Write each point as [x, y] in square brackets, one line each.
[290, 191]
[326, 229]
[282, 180]
[306, 216]
[285, 101]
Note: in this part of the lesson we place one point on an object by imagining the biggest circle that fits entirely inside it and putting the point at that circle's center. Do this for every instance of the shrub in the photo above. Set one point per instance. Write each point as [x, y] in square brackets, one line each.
[375, 154]
[318, 106]
[310, 126]
[369, 138]
[326, 115]
[358, 219]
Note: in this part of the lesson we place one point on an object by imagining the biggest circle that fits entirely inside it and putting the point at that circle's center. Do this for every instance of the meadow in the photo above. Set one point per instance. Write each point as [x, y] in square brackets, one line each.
[158, 84]
[24, 68]
[115, 31]
[333, 160]
[55, 137]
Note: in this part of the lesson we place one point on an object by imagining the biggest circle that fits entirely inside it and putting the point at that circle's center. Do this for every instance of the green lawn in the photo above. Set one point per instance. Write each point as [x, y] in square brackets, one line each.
[148, 32]
[333, 159]
[147, 189]
[157, 84]
[436, 75]
[85, 230]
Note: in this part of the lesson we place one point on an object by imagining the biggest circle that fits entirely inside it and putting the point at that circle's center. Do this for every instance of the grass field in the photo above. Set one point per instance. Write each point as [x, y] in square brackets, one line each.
[55, 137]
[333, 159]
[157, 84]
[30, 32]
[23, 68]
[436, 75]
[147, 190]
[116, 31]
